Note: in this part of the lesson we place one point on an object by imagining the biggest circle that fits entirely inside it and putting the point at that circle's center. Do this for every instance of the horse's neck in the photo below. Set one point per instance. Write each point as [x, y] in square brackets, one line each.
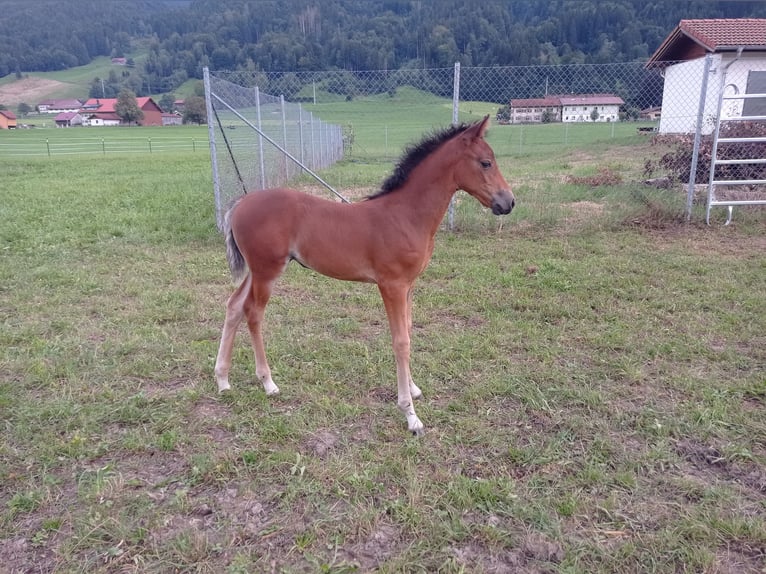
[426, 195]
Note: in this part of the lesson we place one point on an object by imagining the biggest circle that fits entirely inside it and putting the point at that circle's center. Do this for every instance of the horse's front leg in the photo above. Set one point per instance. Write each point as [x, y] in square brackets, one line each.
[395, 298]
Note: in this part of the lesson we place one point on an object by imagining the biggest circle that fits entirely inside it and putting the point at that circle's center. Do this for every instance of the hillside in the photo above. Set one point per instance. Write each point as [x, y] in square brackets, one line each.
[30, 90]
[167, 43]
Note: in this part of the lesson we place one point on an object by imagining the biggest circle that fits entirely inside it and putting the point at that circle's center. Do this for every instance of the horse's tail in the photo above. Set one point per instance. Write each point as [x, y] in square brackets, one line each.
[237, 263]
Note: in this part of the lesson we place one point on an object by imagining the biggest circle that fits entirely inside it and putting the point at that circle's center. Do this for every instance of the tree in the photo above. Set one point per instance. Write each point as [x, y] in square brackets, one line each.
[24, 109]
[167, 101]
[195, 111]
[127, 107]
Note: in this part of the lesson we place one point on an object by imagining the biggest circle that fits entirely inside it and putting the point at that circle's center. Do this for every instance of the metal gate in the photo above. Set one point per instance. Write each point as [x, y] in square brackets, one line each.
[738, 156]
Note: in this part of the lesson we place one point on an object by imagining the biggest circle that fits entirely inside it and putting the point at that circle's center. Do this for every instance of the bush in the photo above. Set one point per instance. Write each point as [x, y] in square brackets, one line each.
[676, 163]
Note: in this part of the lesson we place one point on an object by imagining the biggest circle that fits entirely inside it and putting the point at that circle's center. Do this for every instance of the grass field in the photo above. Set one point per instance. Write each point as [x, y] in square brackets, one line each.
[593, 375]
[54, 142]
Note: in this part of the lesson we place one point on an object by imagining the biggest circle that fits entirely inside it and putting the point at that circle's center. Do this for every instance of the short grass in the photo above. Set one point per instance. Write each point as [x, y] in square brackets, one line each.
[593, 375]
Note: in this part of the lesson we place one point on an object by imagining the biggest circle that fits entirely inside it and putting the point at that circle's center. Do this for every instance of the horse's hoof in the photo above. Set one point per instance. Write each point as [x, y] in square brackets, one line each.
[270, 388]
[223, 387]
[418, 432]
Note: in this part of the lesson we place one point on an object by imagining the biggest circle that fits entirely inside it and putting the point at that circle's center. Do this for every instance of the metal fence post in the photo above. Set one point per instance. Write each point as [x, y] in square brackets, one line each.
[697, 136]
[284, 134]
[258, 123]
[313, 143]
[300, 133]
[213, 155]
[455, 118]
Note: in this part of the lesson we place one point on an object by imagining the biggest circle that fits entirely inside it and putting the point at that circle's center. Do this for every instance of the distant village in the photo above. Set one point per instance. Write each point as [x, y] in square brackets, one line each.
[97, 112]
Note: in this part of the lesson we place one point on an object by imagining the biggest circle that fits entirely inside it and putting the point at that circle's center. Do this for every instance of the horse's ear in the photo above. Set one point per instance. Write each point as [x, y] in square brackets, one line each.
[484, 126]
[479, 128]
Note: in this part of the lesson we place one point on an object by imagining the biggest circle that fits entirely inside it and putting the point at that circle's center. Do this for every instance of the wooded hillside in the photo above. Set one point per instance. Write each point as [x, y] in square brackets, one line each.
[297, 35]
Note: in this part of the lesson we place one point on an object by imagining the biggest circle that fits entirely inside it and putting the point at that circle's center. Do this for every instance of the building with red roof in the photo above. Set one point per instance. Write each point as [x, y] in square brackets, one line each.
[7, 120]
[102, 112]
[57, 106]
[567, 108]
[737, 51]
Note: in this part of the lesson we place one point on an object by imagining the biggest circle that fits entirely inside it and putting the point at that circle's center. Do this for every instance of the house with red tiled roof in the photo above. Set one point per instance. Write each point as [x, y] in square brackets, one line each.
[102, 112]
[736, 48]
[590, 108]
[57, 106]
[568, 109]
[535, 110]
[68, 119]
[7, 120]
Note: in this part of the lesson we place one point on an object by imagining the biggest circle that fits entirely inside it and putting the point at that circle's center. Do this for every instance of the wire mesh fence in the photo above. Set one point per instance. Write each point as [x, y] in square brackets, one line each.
[260, 141]
[538, 108]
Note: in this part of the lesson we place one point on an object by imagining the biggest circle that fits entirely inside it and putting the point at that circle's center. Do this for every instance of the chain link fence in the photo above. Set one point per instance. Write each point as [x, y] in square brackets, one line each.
[538, 108]
[259, 141]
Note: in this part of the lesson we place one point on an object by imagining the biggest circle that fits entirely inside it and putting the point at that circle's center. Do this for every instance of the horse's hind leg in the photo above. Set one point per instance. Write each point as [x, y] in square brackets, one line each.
[255, 307]
[415, 391]
[235, 312]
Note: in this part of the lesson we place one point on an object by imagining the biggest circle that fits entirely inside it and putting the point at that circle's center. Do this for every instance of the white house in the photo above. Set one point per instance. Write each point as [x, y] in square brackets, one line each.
[591, 108]
[737, 49]
[570, 108]
[100, 120]
[535, 110]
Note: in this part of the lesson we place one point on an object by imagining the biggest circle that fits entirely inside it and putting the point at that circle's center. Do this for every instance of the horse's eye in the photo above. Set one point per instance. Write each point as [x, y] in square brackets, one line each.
[486, 164]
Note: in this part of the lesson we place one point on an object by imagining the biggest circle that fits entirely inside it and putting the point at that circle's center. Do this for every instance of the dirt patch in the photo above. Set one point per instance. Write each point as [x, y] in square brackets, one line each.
[383, 542]
[536, 555]
[582, 211]
[29, 90]
[322, 442]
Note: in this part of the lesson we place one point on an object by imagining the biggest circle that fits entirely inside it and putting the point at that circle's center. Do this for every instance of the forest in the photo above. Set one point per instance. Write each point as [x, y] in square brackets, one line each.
[180, 37]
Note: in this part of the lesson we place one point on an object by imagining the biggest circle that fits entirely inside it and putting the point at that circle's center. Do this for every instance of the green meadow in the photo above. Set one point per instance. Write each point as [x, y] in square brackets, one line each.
[593, 372]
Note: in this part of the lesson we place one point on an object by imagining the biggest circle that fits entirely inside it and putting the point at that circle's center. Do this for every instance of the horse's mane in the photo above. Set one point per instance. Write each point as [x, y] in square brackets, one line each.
[413, 155]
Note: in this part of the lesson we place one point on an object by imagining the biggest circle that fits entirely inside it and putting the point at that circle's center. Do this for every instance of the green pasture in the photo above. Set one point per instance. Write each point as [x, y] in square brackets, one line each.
[379, 127]
[55, 142]
[593, 368]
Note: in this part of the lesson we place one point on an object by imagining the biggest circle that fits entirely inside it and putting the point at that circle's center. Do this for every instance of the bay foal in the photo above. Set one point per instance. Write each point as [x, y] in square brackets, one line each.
[386, 239]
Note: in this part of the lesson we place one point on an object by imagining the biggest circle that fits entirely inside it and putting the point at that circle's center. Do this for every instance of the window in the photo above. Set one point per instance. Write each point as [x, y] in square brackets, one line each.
[756, 84]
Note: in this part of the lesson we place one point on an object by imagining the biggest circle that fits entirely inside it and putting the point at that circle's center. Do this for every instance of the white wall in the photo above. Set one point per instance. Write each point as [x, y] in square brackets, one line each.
[681, 96]
[683, 84]
[736, 80]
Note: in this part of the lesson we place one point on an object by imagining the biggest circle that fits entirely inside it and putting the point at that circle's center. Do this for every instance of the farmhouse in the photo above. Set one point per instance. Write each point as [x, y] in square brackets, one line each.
[58, 106]
[567, 108]
[535, 110]
[68, 119]
[101, 112]
[654, 113]
[591, 108]
[172, 119]
[737, 48]
[7, 120]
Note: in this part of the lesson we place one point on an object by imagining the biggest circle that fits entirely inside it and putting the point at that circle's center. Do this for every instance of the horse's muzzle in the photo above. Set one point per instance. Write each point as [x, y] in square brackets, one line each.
[503, 202]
